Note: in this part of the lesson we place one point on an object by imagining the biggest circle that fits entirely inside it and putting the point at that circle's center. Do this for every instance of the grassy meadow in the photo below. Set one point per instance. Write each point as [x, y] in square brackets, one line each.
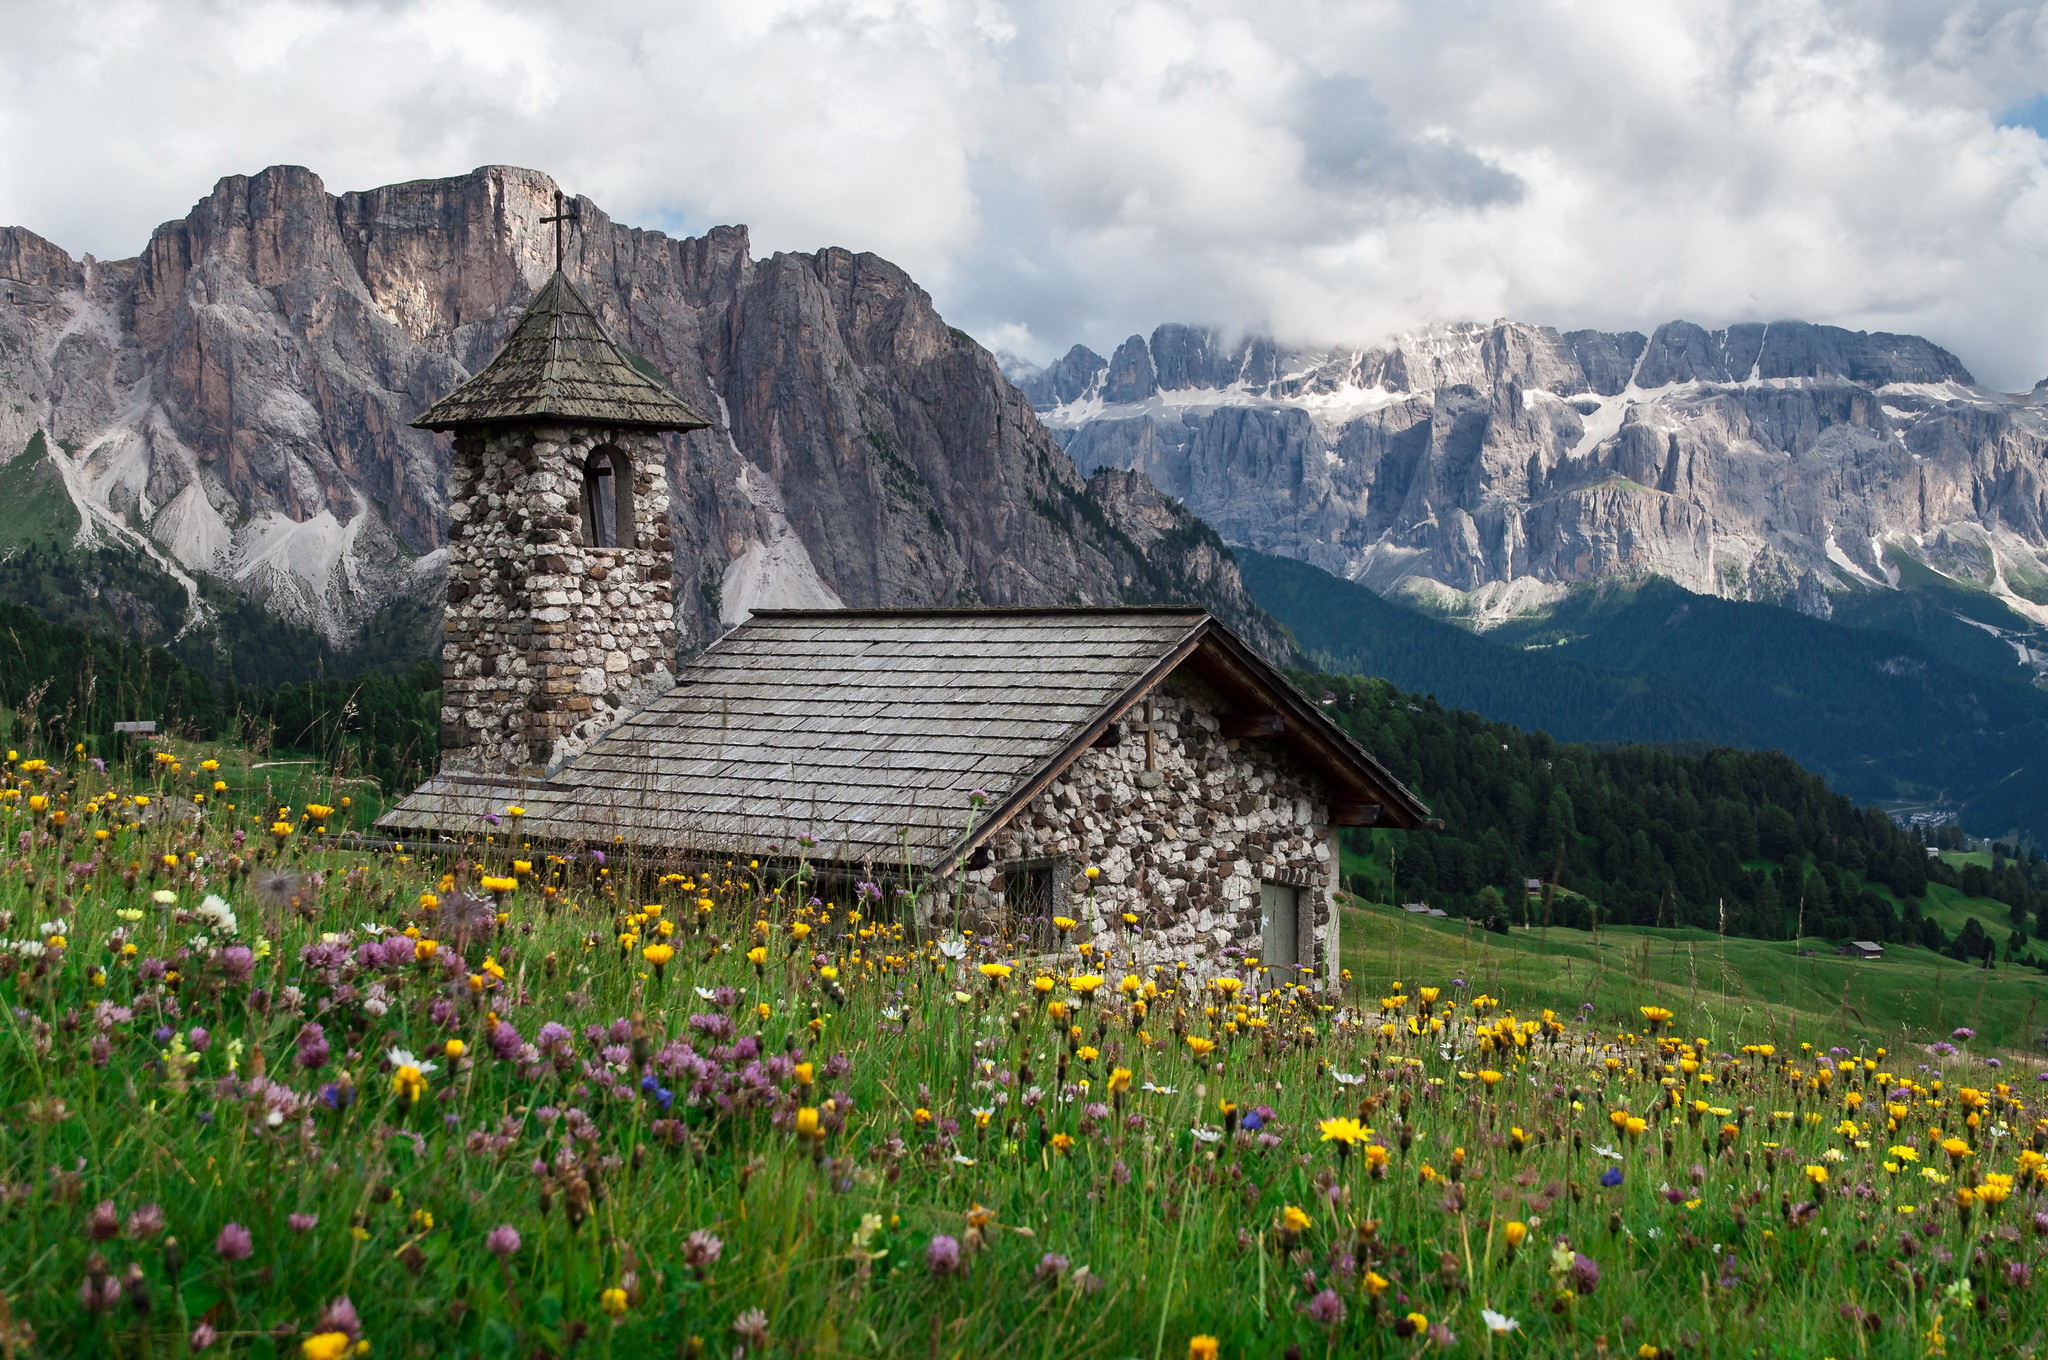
[267, 1097]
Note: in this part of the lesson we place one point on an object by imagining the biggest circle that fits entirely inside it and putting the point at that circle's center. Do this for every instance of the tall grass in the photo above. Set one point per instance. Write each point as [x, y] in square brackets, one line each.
[505, 1101]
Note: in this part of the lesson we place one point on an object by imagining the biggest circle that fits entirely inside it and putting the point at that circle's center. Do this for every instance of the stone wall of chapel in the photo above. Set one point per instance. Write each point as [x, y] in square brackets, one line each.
[547, 640]
[1186, 852]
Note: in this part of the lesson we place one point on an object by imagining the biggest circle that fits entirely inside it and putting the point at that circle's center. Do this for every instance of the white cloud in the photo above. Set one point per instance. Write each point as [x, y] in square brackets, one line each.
[1079, 169]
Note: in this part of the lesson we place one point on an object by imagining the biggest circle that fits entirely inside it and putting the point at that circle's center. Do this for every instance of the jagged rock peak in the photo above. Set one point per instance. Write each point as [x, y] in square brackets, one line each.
[1182, 358]
[1477, 464]
[236, 403]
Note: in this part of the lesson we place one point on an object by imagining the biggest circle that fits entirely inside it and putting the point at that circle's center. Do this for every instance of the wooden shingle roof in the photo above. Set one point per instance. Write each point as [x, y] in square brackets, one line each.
[559, 364]
[869, 729]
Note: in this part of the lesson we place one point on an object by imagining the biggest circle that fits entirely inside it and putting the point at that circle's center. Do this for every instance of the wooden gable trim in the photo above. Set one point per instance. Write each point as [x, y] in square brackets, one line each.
[1366, 794]
[1027, 792]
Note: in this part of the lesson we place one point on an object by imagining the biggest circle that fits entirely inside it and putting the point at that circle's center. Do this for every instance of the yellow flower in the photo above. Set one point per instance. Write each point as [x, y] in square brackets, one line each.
[1063, 924]
[1119, 1080]
[1042, 984]
[800, 929]
[1817, 1174]
[1343, 1130]
[1956, 1148]
[515, 812]
[1490, 1077]
[1093, 872]
[1515, 1233]
[455, 1048]
[995, 972]
[758, 955]
[1062, 1142]
[658, 954]
[1203, 1348]
[1294, 1220]
[280, 830]
[498, 885]
[807, 1123]
[1086, 984]
[613, 1301]
[1202, 1047]
[326, 1346]
[425, 949]
[408, 1084]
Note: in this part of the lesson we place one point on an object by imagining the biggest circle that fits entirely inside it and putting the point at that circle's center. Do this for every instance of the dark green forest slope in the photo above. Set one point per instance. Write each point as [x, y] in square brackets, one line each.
[1649, 836]
[67, 686]
[1636, 834]
[1877, 714]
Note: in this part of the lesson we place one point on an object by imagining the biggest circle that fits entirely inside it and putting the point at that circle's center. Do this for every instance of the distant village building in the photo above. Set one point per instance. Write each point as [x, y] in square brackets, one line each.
[1863, 949]
[996, 754]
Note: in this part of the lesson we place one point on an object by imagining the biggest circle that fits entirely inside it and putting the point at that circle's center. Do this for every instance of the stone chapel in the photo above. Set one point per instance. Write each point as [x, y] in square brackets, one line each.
[1002, 752]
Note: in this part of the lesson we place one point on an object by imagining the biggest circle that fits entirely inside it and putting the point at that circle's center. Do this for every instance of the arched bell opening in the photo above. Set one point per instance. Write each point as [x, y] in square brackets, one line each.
[608, 499]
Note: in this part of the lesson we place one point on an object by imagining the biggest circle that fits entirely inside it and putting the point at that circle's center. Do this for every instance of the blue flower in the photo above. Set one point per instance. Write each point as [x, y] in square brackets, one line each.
[1252, 1122]
[336, 1097]
[662, 1095]
[1611, 1177]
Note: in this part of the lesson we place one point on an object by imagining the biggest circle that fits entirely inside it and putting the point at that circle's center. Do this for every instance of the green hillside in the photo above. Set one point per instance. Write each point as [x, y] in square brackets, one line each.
[112, 588]
[1879, 715]
[1350, 630]
[1794, 991]
[34, 506]
[1745, 842]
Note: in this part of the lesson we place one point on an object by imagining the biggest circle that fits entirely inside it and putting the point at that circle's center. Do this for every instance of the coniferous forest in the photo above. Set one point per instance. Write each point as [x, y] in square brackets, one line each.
[1684, 834]
[1647, 835]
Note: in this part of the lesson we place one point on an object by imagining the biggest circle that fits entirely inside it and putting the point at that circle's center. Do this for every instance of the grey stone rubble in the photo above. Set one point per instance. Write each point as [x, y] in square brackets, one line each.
[1187, 852]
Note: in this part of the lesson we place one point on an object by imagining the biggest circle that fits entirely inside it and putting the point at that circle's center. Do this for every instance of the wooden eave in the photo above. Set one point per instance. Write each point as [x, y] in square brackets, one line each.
[1222, 659]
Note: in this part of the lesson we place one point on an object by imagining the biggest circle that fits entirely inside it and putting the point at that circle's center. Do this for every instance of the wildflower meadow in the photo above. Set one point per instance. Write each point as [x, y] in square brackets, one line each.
[269, 1094]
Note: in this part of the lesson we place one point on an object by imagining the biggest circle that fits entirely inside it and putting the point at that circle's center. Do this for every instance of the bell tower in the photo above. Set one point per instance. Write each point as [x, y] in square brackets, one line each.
[561, 612]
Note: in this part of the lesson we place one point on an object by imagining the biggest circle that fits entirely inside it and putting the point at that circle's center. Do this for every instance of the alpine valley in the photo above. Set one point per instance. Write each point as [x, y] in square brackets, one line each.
[1786, 535]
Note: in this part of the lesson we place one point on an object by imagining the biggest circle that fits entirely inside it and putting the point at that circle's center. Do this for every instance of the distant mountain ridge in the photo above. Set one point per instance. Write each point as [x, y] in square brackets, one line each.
[228, 413]
[1485, 469]
[1179, 357]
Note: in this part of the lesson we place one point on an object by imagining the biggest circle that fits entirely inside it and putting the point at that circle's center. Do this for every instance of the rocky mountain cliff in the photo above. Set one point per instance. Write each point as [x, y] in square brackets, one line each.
[229, 409]
[1487, 468]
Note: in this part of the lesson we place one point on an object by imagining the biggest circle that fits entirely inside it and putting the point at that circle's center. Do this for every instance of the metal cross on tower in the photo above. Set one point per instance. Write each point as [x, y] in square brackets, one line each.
[574, 213]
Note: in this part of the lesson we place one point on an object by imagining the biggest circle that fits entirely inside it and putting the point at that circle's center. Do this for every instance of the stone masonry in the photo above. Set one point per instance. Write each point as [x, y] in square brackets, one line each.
[548, 641]
[1184, 846]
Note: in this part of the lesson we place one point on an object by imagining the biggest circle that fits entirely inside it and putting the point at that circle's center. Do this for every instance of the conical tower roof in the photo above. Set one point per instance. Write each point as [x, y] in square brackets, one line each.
[558, 364]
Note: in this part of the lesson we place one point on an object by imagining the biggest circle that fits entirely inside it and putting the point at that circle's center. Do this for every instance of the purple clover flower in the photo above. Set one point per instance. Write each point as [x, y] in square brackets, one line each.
[942, 1256]
[234, 1243]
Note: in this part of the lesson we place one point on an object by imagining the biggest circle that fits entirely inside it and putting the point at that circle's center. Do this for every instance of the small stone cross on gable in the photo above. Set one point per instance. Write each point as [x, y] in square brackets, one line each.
[1151, 778]
[573, 213]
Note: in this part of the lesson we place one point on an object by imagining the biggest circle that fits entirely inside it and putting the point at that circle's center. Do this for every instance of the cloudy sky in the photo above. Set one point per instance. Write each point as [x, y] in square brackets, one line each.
[1063, 170]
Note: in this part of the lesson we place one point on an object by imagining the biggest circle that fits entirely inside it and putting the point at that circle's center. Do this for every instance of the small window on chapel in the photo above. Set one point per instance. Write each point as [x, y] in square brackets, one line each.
[607, 517]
